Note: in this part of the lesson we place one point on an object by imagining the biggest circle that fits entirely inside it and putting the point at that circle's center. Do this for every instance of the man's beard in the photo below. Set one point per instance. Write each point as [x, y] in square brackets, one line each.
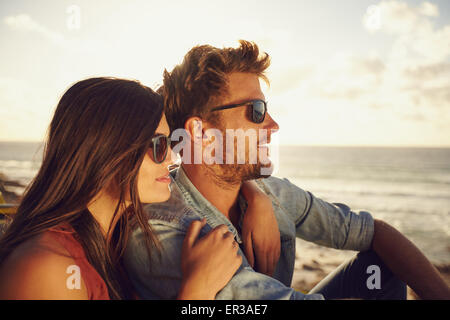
[230, 175]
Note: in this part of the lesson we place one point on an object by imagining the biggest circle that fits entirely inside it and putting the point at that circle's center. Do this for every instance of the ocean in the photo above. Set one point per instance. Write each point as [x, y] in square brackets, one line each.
[406, 187]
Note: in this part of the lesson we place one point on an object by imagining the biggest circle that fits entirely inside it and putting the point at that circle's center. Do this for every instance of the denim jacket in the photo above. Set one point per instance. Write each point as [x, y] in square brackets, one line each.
[298, 213]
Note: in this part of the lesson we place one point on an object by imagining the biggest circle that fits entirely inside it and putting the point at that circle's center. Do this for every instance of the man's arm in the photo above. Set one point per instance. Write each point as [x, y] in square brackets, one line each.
[333, 225]
[408, 263]
[161, 277]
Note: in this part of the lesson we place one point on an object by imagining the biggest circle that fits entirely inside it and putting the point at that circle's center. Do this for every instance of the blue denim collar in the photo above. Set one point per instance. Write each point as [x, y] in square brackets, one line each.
[203, 207]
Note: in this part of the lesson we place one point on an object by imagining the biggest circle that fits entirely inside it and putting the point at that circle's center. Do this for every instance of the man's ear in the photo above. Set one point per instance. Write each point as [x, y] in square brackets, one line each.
[194, 127]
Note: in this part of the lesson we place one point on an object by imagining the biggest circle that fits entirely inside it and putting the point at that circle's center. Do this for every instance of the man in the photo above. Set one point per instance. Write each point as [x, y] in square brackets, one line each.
[219, 89]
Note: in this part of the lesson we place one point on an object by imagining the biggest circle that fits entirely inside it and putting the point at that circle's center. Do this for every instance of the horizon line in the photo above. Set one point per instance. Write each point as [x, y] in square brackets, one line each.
[307, 145]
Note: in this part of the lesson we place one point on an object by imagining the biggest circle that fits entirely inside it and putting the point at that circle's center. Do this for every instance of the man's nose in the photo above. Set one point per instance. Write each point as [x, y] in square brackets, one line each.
[270, 124]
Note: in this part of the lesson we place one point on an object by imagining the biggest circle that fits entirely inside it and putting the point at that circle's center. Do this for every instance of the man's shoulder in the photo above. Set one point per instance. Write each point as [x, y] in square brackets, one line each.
[279, 187]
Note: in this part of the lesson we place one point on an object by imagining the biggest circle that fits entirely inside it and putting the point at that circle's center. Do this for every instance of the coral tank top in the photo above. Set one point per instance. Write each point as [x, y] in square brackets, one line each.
[95, 285]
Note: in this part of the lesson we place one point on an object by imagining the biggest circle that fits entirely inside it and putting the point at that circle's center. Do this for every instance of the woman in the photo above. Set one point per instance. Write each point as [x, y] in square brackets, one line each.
[105, 155]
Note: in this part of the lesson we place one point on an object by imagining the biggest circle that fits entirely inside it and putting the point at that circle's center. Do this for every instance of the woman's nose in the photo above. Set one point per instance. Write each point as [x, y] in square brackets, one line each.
[171, 157]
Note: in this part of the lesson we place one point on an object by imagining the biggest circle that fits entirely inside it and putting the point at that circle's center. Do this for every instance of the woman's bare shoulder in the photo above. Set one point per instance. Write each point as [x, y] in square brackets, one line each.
[40, 268]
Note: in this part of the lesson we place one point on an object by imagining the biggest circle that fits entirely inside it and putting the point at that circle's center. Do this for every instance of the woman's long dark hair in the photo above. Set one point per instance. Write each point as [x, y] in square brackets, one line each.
[98, 137]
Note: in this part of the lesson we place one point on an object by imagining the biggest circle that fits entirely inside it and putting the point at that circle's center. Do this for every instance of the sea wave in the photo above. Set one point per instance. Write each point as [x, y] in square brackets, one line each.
[383, 194]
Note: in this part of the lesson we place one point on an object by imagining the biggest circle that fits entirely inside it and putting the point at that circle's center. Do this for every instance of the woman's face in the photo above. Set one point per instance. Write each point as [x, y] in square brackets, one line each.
[153, 178]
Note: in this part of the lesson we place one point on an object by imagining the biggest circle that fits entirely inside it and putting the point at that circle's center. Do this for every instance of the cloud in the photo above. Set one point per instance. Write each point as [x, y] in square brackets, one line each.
[348, 77]
[434, 96]
[25, 23]
[414, 29]
[412, 77]
[406, 86]
[397, 17]
[428, 72]
[428, 9]
[370, 65]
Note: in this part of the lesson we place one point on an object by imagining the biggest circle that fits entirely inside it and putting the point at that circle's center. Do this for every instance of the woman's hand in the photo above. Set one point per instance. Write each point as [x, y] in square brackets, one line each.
[207, 263]
[260, 232]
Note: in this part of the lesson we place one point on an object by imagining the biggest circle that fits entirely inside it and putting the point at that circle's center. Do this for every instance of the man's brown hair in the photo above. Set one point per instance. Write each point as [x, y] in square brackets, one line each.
[202, 78]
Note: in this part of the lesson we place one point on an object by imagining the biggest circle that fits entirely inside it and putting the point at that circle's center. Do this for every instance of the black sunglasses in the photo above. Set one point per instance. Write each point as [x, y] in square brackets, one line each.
[160, 146]
[259, 109]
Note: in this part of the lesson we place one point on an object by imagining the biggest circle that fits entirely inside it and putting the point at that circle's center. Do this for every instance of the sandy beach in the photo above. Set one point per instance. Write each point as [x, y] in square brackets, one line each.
[313, 263]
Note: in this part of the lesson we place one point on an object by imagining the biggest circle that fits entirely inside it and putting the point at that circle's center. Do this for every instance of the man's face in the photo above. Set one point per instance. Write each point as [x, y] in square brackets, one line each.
[243, 87]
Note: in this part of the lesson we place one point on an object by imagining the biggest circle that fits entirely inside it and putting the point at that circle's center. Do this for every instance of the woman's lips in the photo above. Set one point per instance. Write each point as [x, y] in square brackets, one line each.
[164, 179]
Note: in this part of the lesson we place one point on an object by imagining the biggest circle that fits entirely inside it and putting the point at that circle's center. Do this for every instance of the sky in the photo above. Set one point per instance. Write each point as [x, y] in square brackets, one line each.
[343, 73]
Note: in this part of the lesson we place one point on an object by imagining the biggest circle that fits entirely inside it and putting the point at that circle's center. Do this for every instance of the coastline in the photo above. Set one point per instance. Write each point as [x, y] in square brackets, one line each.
[7, 196]
[7, 187]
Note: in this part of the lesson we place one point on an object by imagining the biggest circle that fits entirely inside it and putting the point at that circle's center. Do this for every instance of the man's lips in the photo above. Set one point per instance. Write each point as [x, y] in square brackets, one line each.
[264, 144]
[265, 141]
[264, 149]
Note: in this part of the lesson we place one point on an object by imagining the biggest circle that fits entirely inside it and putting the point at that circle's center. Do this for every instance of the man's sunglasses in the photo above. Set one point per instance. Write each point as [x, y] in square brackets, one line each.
[259, 109]
[160, 146]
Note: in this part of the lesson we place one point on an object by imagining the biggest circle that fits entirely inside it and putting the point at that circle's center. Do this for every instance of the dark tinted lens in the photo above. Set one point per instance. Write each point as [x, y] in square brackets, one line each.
[159, 148]
[259, 111]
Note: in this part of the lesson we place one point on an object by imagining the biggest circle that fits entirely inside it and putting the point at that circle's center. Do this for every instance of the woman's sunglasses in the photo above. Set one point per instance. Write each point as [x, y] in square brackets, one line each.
[259, 109]
[160, 146]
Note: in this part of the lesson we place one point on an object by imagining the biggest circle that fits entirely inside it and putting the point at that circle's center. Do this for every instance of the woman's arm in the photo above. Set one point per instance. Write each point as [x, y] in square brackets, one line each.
[38, 273]
[207, 263]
